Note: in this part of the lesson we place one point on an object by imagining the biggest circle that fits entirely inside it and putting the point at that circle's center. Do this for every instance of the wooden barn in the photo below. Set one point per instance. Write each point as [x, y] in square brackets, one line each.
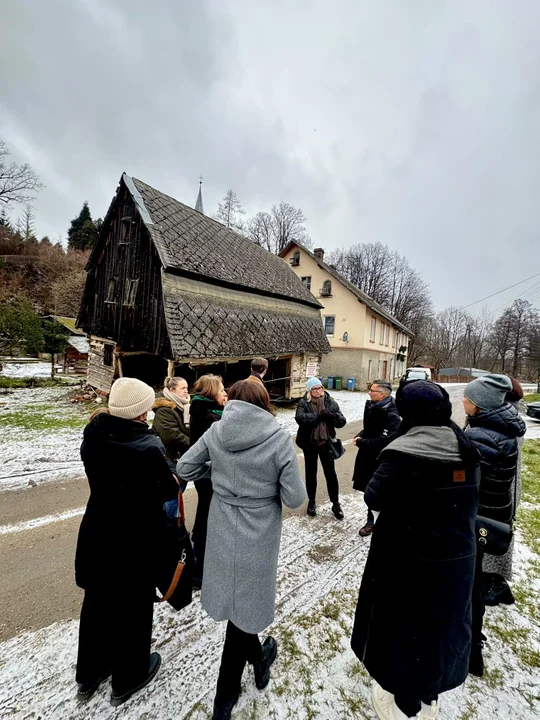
[169, 289]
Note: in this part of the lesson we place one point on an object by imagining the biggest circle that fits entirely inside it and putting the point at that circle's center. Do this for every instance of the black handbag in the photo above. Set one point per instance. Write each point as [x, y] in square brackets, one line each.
[335, 448]
[492, 536]
[175, 564]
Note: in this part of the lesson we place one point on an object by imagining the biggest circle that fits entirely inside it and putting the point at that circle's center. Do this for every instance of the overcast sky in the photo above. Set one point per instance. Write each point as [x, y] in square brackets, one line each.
[411, 122]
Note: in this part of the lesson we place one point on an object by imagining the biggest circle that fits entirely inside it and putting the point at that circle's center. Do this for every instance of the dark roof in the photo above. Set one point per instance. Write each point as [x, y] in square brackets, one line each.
[208, 321]
[189, 241]
[360, 294]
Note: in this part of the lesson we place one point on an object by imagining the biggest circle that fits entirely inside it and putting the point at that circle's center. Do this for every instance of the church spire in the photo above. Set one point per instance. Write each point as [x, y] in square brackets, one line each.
[199, 204]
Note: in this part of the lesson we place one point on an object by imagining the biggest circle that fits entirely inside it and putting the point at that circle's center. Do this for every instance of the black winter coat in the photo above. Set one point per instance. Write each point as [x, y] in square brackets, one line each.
[308, 420]
[203, 412]
[121, 530]
[495, 433]
[412, 628]
[381, 426]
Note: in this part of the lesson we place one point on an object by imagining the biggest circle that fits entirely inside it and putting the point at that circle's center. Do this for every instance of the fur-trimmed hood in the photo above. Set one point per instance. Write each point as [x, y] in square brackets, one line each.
[163, 402]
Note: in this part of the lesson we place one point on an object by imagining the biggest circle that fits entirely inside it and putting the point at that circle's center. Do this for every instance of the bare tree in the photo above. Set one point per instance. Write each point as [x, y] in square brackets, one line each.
[18, 183]
[230, 212]
[288, 225]
[261, 231]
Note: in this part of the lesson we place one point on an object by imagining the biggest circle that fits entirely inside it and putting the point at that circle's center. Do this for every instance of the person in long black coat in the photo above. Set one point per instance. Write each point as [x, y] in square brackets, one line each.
[119, 543]
[206, 408]
[381, 426]
[318, 415]
[494, 427]
[412, 628]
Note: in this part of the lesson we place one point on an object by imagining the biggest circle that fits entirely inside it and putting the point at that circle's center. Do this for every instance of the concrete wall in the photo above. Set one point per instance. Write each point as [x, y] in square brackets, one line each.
[364, 365]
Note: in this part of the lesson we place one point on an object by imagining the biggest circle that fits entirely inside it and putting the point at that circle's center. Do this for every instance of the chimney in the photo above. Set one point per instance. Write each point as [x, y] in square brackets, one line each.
[319, 254]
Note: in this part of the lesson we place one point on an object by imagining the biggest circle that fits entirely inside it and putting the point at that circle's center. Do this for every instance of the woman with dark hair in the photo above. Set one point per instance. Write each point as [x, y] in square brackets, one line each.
[206, 408]
[254, 472]
[497, 570]
[412, 628]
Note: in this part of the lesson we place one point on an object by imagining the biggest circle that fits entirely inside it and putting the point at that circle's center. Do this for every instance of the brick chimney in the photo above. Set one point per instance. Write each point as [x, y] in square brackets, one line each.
[319, 254]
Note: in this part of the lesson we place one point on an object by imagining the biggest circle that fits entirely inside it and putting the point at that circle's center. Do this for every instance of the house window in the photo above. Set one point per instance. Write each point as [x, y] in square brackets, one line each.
[370, 370]
[111, 291]
[125, 230]
[307, 282]
[108, 355]
[373, 329]
[295, 260]
[387, 342]
[329, 324]
[326, 290]
[130, 292]
[381, 334]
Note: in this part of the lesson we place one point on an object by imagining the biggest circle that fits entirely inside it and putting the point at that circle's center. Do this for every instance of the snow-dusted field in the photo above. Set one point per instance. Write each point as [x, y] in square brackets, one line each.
[24, 370]
[316, 675]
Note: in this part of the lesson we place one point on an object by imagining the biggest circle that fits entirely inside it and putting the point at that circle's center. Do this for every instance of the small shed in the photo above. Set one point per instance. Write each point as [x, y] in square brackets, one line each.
[75, 357]
[172, 291]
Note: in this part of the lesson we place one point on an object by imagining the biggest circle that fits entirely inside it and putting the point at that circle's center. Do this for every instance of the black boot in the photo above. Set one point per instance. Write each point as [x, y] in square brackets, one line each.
[498, 592]
[119, 697]
[87, 689]
[476, 661]
[224, 708]
[338, 512]
[311, 508]
[262, 668]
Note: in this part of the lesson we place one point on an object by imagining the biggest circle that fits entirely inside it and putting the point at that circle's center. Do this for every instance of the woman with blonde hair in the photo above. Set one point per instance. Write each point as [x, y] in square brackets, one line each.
[206, 408]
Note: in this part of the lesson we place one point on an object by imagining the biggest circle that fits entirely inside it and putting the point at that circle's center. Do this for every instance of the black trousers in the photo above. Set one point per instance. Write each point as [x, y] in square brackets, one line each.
[411, 707]
[240, 648]
[478, 604]
[204, 492]
[311, 457]
[115, 634]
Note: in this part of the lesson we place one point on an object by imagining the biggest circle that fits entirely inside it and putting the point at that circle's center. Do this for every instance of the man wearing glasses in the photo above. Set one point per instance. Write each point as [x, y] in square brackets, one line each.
[381, 425]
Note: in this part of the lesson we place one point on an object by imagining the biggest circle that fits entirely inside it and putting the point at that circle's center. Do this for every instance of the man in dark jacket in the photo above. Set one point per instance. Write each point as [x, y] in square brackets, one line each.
[412, 628]
[119, 543]
[318, 415]
[381, 426]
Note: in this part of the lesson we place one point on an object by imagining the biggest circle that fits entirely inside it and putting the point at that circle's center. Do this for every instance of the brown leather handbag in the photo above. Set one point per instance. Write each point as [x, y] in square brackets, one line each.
[175, 564]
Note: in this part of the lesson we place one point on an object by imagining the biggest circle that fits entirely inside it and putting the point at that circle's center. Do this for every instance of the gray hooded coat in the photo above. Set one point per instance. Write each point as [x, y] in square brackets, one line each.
[254, 471]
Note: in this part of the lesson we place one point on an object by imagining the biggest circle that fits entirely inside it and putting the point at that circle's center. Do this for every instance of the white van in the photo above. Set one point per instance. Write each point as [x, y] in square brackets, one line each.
[417, 373]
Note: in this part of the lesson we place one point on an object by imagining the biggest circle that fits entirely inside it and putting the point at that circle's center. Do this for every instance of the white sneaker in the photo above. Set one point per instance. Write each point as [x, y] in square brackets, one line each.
[385, 705]
[429, 712]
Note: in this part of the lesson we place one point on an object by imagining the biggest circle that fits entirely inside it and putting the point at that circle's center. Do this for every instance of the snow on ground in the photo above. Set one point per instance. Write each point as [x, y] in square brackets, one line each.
[316, 675]
[40, 435]
[29, 369]
[351, 405]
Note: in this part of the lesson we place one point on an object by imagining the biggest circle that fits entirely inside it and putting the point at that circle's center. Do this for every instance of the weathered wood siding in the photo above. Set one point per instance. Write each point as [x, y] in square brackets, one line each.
[299, 364]
[100, 376]
[142, 326]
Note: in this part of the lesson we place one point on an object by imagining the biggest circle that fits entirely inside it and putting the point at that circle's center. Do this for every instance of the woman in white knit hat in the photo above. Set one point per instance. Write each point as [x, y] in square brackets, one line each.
[118, 542]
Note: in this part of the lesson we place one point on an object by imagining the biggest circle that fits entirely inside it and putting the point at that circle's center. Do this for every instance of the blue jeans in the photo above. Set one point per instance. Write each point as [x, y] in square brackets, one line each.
[171, 506]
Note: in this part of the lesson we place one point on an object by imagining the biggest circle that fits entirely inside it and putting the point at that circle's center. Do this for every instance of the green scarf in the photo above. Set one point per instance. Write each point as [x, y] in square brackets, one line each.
[203, 398]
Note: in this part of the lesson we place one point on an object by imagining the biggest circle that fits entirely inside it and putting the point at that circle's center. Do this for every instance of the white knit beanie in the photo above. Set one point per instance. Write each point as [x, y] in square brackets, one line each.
[130, 398]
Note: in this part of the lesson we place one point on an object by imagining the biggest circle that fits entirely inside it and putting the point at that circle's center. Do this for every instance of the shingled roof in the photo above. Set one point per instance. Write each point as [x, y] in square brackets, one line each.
[207, 321]
[189, 241]
[360, 294]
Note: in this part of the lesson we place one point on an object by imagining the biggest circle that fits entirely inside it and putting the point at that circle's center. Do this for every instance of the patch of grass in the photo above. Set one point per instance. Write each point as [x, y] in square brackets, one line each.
[493, 678]
[41, 419]
[320, 553]
[36, 382]
[534, 397]
[470, 712]
[330, 610]
[355, 704]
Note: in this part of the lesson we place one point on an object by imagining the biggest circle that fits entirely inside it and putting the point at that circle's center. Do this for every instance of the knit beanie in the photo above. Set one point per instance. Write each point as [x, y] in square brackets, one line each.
[130, 398]
[488, 392]
[313, 382]
[422, 402]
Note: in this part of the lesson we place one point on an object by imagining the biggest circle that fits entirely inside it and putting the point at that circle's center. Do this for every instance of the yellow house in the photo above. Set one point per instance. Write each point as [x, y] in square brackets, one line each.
[367, 342]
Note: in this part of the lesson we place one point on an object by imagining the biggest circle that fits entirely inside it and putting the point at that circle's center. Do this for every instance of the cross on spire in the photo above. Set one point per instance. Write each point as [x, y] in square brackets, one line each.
[199, 204]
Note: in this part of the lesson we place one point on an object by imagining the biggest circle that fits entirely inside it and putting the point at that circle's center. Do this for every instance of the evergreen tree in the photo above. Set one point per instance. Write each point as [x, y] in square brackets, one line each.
[4, 220]
[55, 340]
[20, 328]
[83, 233]
[230, 212]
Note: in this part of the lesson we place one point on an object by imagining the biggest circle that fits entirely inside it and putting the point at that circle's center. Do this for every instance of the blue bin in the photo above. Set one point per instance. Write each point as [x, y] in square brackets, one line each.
[351, 383]
[331, 382]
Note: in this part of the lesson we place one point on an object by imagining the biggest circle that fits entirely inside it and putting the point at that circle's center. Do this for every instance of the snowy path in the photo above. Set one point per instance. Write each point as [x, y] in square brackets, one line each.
[316, 674]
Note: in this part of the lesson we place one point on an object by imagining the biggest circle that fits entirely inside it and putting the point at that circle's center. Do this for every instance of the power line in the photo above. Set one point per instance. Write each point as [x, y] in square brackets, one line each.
[524, 296]
[500, 291]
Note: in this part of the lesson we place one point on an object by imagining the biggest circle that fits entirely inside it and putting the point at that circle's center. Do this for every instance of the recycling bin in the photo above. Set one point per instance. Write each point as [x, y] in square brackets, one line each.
[351, 383]
[331, 382]
[338, 383]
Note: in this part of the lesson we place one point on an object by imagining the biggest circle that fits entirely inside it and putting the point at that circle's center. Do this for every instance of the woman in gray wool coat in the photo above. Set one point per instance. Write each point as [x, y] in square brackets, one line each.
[254, 471]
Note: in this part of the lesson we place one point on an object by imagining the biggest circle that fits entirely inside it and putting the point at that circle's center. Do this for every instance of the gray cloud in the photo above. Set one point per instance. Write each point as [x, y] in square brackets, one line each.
[410, 123]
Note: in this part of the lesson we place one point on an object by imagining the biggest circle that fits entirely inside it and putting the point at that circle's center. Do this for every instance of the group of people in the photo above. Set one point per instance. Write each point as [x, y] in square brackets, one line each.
[418, 622]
